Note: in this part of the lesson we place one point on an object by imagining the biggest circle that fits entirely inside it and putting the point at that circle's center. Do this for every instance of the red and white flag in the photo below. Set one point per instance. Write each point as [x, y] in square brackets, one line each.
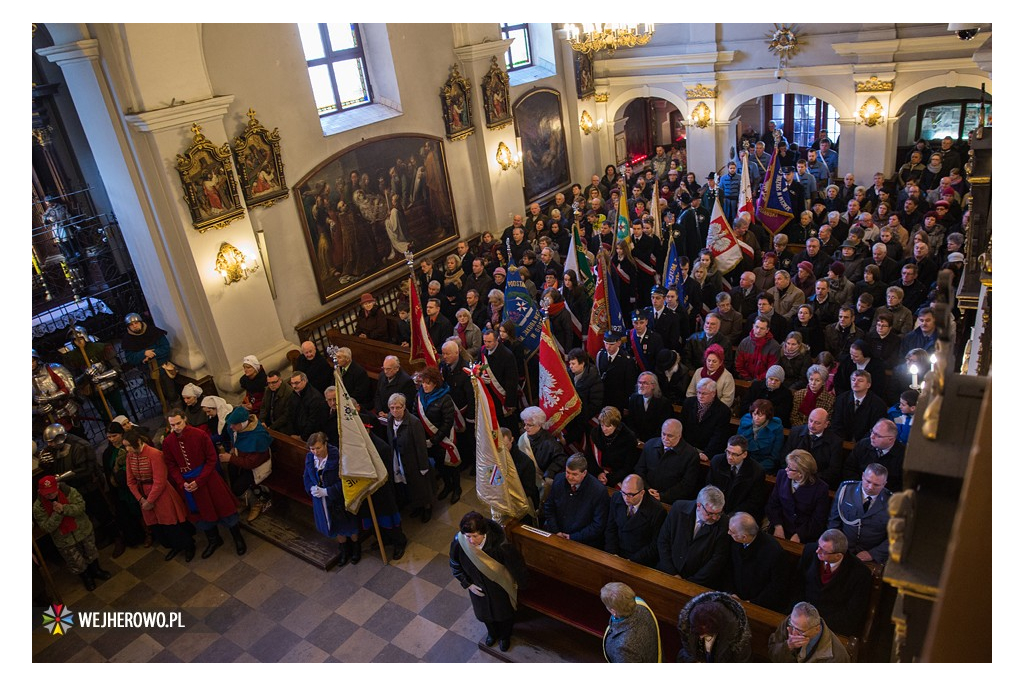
[599, 318]
[722, 241]
[420, 347]
[746, 202]
[557, 395]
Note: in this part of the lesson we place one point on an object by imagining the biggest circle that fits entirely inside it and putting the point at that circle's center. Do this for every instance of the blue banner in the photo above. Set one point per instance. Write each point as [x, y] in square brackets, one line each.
[673, 277]
[521, 310]
[614, 308]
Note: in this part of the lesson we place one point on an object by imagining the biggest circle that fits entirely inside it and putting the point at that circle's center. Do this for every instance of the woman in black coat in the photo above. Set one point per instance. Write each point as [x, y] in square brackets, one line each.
[491, 569]
[590, 389]
[616, 447]
[414, 478]
[436, 410]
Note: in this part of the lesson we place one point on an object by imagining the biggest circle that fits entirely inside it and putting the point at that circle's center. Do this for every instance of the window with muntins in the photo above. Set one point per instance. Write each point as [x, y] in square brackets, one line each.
[518, 55]
[337, 67]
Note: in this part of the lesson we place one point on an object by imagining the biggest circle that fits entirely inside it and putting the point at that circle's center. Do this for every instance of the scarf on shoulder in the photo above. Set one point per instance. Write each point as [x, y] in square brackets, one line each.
[67, 523]
[810, 401]
[487, 565]
[428, 398]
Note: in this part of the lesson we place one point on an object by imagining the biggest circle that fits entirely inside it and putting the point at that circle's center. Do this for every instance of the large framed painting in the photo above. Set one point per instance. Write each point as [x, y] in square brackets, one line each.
[584, 68]
[364, 207]
[260, 169]
[538, 123]
[208, 180]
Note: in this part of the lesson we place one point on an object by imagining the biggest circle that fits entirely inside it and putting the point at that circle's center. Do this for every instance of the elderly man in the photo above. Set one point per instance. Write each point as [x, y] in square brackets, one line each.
[192, 467]
[632, 633]
[453, 372]
[880, 258]
[857, 409]
[669, 465]
[836, 582]
[706, 420]
[355, 378]
[757, 352]
[318, 370]
[634, 521]
[743, 297]
[803, 638]
[277, 412]
[879, 447]
[759, 568]
[577, 508]
[824, 444]
[861, 511]
[698, 343]
[694, 542]
[311, 411]
[812, 253]
[733, 327]
[740, 479]
[392, 379]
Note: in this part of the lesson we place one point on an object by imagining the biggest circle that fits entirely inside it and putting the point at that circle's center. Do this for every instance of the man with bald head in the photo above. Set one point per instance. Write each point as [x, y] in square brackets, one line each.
[822, 442]
[316, 367]
[744, 296]
[634, 521]
[452, 371]
[669, 465]
[758, 572]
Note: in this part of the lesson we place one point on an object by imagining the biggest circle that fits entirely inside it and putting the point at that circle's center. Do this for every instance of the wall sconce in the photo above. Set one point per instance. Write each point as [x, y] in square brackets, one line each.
[871, 112]
[587, 124]
[506, 158]
[701, 115]
[232, 265]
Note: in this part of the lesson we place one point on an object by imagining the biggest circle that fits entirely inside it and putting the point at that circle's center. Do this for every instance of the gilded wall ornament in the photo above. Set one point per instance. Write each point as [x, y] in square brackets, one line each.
[258, 160]
[874, 85]
[784, 42]
[208, 180]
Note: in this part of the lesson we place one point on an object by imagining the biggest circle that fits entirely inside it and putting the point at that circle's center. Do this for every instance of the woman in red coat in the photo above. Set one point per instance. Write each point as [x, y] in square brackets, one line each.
[162, 507]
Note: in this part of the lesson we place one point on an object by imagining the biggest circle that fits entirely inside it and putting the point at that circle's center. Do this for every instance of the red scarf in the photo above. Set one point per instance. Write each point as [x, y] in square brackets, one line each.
[68, 523]
[555, 307]
[810, 400]
[460, 329]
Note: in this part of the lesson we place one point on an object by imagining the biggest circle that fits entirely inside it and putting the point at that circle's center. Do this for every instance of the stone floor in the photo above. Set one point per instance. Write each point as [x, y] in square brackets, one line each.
[268, 606]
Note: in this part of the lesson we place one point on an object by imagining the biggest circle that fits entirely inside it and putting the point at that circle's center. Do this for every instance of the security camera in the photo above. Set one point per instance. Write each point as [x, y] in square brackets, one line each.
[964, 31]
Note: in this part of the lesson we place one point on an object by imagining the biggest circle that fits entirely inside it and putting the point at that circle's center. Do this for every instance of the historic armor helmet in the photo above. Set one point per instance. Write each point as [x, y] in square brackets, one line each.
[55, 434]
[78, 332]
[132, 318]
[35, 355]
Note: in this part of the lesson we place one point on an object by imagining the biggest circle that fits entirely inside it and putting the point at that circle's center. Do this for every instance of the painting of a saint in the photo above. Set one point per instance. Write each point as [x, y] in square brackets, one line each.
[538, 120]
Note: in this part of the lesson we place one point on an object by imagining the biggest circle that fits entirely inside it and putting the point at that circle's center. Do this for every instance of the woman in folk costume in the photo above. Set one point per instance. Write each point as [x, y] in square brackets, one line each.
[254, 383]
[321, 480]
[217, 411]
[248, 460]
[491, 569]
[163, 510]
[436, 410]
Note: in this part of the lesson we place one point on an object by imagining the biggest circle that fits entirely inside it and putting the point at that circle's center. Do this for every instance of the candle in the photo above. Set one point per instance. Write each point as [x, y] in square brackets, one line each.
[933, 359]
[913, 377]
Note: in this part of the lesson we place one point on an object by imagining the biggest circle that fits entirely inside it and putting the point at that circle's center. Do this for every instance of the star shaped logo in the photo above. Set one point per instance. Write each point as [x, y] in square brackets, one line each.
[58, 619]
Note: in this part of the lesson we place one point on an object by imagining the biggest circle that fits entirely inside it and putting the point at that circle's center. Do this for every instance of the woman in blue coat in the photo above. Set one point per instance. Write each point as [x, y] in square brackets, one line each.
[320, 478]
[798, 506]
[763, 431]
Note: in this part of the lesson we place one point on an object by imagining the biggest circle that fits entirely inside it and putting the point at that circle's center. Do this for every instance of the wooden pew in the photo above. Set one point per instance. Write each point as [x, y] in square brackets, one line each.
[289, 461]
[566, 582]
[369, 354]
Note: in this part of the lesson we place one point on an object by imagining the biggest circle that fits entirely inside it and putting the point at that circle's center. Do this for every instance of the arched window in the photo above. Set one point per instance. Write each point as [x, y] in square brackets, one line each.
[337, 66]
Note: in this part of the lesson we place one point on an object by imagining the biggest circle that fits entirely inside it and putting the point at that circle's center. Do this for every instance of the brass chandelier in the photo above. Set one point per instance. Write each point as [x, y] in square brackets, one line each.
[591, 38]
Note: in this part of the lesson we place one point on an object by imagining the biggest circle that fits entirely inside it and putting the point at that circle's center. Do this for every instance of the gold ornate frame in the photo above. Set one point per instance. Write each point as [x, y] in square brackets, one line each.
[258, 160]
[456, 105]
[497, 106]
[208, 179]
[584, 70]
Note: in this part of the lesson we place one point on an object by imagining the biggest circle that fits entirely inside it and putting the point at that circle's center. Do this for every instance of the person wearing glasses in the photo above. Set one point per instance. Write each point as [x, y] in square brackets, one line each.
[312, 414]
[834, 581]
[740, 479]
[634, 521]
[803, 637]
[798, 505]
[694, 542]
[879, 447]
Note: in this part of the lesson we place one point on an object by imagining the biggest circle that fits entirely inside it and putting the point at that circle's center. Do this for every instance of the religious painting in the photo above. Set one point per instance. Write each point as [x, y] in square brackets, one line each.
[538, 122]
[364, 207]
[455, 106]
[208, 180]
[258, 160]
[584, 67]
[497, 112]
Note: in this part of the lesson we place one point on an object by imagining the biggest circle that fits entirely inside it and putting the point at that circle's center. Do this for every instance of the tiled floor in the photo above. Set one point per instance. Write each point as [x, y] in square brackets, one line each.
[269, 606]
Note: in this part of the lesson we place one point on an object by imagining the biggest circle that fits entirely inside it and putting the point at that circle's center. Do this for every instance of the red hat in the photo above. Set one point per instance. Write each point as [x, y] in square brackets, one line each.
[365, 297]
[48, 485]
[807, 266]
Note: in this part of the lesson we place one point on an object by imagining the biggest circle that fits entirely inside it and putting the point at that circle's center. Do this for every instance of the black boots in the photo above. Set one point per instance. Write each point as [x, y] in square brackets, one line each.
[236, 534]
[345, 548]
[452, 486]
[87, 580]
[357, 551]
[96, 572]
[173, 553]
[213, 541]
[445, 491]
[190, 551]
[398, 537]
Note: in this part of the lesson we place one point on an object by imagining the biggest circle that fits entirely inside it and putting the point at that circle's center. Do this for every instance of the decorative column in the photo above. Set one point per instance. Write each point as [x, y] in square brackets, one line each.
[874, 132]
[702, 130]
[501, 193]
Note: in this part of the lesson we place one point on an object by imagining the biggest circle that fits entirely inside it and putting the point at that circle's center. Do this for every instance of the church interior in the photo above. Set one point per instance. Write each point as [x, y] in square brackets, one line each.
[177, 174]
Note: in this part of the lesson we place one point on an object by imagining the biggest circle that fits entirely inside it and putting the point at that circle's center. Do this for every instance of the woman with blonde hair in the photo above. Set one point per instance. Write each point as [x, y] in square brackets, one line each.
[797, 508]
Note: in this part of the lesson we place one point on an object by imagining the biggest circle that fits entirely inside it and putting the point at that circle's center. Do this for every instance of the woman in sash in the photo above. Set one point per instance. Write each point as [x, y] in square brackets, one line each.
[414, 478]
[162, 508]
[632, 635]
[436, 409]
[491, 569]
[321, 481]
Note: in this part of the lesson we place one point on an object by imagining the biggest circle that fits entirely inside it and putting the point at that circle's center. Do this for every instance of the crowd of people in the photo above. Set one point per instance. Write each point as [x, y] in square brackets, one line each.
[826, 343]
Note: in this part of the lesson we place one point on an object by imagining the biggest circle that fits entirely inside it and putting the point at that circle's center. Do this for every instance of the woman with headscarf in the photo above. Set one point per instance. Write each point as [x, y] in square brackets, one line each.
[192, 396]
[248, 461]
[253, 382]
[162, 507]
[217, 410]
[491, 569]
[436, 410]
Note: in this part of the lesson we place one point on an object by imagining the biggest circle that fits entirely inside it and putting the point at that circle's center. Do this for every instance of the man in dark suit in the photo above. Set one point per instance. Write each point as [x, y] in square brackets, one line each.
[837, 583]
[617, 369]
[355, 378]
[311, 411]
[662, 321]
[670, 466]
[452, 370]
[698, 343]
[759, 568]
[694, 542]
[824, 444]
[501, 378]
[647, 410]
[744, 295]
[861, 511]
[880, 447]
[857, 409]
[706, 420]
[393, 379]
[577, 508]
[439, 328]
[739, 478]
[316, 367]
[634, 521]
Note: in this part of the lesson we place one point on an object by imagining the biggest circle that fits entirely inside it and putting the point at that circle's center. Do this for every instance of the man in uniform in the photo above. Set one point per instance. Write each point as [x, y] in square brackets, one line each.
[60, 511]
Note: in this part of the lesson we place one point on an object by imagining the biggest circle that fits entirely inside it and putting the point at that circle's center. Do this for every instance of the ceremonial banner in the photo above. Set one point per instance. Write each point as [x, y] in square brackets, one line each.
[599, 322]
[557, 394]
[622, 221]
[497, 481]
[746, 201]
[361, 470]
[673, 274]
[774, 206]
[420, 347]
[722, 242]
[576, 260]
[521, 310]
